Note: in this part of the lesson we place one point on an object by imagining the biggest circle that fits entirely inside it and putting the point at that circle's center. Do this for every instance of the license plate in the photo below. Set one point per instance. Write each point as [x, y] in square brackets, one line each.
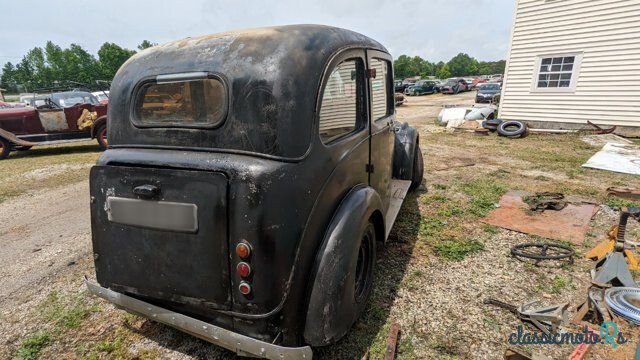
[160, 215]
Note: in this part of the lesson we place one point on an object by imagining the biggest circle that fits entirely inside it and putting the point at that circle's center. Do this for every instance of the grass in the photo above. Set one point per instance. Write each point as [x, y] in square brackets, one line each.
[484, 194]
[457, 249]
[46, 167]
[558, 283]
[31, 346]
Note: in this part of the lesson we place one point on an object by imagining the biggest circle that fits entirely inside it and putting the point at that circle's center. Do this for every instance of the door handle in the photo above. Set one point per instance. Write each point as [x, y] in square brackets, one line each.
[146, 191]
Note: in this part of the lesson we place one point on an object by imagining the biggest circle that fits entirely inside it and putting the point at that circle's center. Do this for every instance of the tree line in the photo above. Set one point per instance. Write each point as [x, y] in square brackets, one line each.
[460, 65]
[53, 66]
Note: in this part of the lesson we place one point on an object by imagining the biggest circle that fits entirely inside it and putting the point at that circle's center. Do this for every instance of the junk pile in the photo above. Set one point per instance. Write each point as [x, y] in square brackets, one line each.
[86, 119]
[612, 295]
[480, 120]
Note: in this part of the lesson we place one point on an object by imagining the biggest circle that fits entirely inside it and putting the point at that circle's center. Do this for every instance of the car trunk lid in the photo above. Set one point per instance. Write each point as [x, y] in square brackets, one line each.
[161, 233]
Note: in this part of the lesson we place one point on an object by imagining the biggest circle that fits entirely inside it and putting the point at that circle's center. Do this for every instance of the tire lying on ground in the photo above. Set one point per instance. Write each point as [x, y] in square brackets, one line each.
[491, 124]
[512, 129]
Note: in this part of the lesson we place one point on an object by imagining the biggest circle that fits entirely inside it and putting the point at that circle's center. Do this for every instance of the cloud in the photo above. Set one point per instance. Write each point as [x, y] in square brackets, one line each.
[435, 29]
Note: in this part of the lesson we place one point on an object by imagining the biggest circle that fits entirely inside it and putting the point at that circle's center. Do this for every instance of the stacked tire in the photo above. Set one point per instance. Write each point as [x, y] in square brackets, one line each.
[511, 129]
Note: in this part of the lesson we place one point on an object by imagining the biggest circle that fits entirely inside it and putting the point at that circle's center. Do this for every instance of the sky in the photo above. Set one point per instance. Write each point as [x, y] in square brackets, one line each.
[432, 29]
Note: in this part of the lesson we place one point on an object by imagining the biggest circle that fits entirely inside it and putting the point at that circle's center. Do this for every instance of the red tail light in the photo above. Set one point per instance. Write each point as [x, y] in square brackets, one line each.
[243, 269]
[244, 288]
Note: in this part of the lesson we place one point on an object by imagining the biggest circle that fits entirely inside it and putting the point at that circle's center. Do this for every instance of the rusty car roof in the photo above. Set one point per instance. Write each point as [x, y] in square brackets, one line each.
[281, 65]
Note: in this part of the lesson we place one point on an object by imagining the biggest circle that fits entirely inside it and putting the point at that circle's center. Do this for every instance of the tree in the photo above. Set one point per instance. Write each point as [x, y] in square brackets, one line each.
[7, 79]
[145, 44]
[462, 65]
[111, 57]
[443, 72]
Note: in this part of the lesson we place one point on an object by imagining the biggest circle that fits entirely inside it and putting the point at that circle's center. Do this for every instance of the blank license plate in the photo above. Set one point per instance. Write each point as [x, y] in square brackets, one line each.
[161, 215]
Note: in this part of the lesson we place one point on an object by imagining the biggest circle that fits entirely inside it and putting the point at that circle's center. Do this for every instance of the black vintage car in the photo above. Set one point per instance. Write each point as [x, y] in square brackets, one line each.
[249, 178]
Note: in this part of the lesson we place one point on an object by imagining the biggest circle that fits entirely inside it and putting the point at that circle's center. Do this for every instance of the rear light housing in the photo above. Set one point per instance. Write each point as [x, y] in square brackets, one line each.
[243, 269]
[243, 250]
[244, 288]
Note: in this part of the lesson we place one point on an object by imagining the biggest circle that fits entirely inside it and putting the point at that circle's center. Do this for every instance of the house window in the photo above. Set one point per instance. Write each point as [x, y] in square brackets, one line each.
[557, 72]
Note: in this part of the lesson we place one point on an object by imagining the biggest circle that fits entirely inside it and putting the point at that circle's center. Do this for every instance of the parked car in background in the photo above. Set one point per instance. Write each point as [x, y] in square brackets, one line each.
[485, 92]
[454, 86]
[422, 87]
[55, 117]
[103, 96]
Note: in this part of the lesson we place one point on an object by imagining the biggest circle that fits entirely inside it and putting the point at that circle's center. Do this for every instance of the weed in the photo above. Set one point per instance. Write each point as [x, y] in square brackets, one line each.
[490, 229]
[440, 186]
[430, 227]
[558, 283]
[31, 346]
[457, 249]
[484, 195]
[617, 203]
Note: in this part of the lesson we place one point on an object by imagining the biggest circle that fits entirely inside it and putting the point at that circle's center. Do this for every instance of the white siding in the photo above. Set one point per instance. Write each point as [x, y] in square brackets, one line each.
[605, 32]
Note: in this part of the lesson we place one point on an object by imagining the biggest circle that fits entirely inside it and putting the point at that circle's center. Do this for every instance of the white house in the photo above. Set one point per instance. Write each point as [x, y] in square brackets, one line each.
[571, 61]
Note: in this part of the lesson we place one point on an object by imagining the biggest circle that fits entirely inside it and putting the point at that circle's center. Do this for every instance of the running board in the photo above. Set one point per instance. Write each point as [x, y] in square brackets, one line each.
[399, 189]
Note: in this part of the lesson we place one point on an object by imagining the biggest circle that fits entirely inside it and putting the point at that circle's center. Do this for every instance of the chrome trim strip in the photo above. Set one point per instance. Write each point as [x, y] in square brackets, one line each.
[238, 343]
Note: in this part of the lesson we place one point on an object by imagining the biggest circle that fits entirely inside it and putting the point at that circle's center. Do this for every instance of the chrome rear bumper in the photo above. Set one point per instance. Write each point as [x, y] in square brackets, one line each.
[238, 343]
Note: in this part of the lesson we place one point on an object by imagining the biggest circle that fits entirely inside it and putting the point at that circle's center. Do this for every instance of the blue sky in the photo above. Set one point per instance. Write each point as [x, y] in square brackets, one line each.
[433, 29]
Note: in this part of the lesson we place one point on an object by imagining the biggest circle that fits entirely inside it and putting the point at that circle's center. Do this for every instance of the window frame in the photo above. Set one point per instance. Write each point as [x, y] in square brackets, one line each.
[177, 78]
[390, 87]
[361, 96]
[575, 73]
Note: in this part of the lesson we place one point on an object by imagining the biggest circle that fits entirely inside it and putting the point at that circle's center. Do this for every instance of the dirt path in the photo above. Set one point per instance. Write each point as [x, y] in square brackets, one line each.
[42, 234]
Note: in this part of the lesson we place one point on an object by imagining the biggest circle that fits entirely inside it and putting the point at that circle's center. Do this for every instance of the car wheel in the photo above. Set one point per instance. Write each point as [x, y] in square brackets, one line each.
[364, 267]
[5, 148]
[418, 169]
[101, 136]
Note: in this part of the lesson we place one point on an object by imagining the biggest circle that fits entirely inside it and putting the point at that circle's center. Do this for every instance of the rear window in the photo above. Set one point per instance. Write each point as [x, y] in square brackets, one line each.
[189, 103]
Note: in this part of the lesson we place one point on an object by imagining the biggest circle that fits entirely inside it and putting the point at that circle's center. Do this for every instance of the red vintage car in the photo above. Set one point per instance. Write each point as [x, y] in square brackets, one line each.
[53, 118]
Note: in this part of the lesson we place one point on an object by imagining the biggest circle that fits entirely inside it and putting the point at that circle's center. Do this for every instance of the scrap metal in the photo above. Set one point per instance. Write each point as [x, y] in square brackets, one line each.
[543, 251]
[548, 319]
[624, 302]
[392, 342]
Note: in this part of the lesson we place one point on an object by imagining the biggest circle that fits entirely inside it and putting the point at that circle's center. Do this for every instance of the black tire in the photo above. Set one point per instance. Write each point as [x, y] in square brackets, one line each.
[101, 137]
[364, 268]
[418, 169]
[491, 124]
[5, 148]
[22, 148]
[512, 129]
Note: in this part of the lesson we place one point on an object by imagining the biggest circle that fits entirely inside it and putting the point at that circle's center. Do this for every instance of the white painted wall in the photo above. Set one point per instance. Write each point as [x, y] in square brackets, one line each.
[604, 33]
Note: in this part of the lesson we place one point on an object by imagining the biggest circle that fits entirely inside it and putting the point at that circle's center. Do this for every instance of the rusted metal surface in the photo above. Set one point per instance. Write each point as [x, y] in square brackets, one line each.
[627, 193]
[600, 130]
[392, 342]
[14, 139]
[569, 224]
[581, 350]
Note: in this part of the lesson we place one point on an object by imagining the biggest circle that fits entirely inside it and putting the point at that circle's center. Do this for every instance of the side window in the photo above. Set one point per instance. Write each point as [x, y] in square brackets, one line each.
[380, 94]
[341, 106]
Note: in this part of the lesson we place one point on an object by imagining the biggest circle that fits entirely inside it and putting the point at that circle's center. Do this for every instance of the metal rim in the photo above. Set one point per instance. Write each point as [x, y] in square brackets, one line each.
[542, 251]
[363, 266]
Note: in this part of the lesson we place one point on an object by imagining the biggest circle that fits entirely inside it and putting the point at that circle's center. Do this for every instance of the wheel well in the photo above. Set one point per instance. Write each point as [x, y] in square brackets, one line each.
[378, 223]
[96, 125]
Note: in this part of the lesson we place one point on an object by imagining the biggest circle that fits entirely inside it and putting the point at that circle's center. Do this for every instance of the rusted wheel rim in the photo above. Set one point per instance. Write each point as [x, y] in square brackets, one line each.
[363, 266]
[102, 136]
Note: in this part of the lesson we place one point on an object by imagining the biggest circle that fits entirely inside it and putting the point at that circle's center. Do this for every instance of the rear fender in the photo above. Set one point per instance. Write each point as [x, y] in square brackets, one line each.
[10, 137]
[404, 151]
[331, 311]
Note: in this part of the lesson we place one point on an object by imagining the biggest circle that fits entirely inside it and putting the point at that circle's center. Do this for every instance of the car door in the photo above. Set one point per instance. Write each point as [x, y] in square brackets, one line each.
[381, 116]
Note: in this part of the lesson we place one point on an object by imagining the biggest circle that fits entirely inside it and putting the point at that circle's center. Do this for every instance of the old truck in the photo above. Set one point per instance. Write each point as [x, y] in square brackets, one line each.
[249, 179]
[53, 118]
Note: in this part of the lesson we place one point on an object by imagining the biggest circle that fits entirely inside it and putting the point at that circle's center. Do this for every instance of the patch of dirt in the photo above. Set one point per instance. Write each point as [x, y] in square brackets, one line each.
[53, 170]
